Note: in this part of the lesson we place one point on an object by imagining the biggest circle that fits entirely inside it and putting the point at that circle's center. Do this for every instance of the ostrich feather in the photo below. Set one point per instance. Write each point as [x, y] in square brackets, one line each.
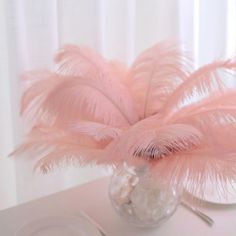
[153, 143]
[30, 78]
[214, 113]
[217, 125]
[36, 87]
[195, 169]
[81, 98]
[218, 110]
[72, 60]
[51, 146]
[95, 72]
[69, 155]
[155, 74]
[96, 130]
[51, 136]
[202, 84]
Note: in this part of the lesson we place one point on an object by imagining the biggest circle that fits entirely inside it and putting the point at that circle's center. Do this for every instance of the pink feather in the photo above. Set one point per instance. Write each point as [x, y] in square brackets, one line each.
[52, 146]
[202, 84]
[96, 130]
[37, 85]
[152, 142]
[78, 98]
[72, 60]
[155, 74]
[91, 69]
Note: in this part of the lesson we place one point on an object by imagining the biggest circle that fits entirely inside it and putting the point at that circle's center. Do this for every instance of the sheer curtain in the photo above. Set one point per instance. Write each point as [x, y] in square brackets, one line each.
[31, 31]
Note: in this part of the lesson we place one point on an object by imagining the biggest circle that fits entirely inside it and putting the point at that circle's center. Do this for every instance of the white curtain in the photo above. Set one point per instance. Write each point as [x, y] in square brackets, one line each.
[31, 31]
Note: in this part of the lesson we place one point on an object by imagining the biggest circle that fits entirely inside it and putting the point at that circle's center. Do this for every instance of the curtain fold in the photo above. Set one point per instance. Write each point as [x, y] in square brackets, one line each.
[31, 31]
[7, 167]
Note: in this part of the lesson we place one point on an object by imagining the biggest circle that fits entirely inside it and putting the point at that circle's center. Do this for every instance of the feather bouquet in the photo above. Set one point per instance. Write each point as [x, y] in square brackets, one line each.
[158, 112]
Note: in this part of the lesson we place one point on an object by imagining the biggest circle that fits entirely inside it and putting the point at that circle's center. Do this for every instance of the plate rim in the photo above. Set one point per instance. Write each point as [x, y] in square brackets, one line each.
[222, 201]
[45, 222]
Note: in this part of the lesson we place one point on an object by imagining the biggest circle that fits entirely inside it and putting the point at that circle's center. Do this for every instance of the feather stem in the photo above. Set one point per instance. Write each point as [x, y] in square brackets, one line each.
[148, 93]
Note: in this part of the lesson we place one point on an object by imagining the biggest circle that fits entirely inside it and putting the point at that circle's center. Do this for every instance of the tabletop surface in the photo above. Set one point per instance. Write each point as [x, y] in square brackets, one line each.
[93, 199]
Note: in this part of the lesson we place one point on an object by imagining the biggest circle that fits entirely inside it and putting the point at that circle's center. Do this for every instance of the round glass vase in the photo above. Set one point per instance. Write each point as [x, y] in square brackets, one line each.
[141, 199]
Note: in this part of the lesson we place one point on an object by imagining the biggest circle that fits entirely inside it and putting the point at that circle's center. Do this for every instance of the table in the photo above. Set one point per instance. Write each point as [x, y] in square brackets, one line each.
[93, 198]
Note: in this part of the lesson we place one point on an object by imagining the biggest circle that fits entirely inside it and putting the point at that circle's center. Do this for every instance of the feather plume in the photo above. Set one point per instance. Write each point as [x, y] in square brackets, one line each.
[215, 110]
[156, 142]
[195, 169]
[70, 154]
[37, 85]
[81, 98]
[96, 130]
[96, 76]
[51, 146]
[155, 74]
[202, 84]
[72, 60]
[217, 125]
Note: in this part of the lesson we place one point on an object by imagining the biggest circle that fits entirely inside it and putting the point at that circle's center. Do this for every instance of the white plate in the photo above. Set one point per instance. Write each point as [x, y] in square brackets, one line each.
[212, 193]
[59, 226]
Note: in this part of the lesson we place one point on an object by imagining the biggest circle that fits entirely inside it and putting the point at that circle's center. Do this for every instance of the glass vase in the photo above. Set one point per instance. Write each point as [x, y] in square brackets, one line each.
[140, 198]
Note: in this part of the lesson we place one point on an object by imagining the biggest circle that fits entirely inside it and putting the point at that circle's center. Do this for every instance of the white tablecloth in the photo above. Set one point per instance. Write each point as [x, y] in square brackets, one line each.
[93, 198]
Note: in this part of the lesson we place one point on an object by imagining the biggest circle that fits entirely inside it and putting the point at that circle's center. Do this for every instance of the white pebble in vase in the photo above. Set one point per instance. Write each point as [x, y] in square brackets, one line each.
[141, 199]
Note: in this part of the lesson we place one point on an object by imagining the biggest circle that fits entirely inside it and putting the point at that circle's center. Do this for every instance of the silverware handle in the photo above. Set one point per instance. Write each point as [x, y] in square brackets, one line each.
[200, 214]
[93, 222]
